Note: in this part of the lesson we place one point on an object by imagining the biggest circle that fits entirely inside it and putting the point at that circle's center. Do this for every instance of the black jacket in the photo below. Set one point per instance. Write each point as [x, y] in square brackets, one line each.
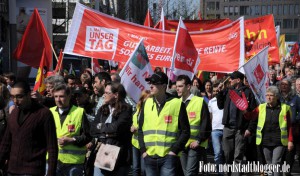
[224, 101]
[117, 132]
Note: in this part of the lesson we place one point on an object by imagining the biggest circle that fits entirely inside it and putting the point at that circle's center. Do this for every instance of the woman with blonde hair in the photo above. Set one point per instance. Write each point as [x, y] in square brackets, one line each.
[137, 160]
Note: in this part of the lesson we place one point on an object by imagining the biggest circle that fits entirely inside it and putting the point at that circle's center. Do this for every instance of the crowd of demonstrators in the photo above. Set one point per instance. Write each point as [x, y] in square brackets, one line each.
[165, 133]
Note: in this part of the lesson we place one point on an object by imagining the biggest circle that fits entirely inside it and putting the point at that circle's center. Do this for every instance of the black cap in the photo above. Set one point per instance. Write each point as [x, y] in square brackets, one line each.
[158, 78]
[237, 74]
[80, 90]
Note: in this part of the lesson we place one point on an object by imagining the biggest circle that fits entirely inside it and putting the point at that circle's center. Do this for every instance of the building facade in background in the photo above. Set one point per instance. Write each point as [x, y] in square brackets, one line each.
[286, 13]
[173, 9]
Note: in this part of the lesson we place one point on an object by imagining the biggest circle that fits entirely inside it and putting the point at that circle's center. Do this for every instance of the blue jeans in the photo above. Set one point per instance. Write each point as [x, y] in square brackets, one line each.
[69, 169]
[162, 166]
[138, 166]
[190, 161]
[216, 137]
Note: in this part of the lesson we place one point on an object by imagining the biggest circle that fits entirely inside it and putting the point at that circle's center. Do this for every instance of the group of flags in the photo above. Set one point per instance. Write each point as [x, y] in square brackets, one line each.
[35, 49]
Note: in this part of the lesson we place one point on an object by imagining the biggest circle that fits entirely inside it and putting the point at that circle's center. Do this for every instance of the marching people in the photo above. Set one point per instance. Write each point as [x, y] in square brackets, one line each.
[216, 116]
[114, 121]
[200, 127]
[29, 136]
[163, 128]
[287, 96]
[72, 128]
[236, 128]
[274, 130]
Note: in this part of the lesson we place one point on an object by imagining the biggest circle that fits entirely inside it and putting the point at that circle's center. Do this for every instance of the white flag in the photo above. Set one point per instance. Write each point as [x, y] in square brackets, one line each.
[256, 70]
[136, 70]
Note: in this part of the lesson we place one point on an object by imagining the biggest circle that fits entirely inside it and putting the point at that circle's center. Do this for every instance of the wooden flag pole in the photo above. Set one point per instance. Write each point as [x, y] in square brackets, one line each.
[54, 52]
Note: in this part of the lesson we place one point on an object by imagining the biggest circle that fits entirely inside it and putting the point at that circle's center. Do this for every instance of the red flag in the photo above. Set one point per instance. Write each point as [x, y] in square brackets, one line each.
[34, 41]
[96, 67]
[240, 102]
[185, 56]
[41, 75]
[295, 52]
[162, 22]
[148, 20]
[59, 62]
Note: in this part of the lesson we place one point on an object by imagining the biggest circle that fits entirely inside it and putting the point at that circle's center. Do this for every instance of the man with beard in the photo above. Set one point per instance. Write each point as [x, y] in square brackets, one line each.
[29, 136]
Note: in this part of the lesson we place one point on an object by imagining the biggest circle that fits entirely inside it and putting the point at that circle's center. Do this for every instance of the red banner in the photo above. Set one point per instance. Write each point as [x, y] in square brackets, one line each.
[94, 34]
[197, 25]
[259, 33]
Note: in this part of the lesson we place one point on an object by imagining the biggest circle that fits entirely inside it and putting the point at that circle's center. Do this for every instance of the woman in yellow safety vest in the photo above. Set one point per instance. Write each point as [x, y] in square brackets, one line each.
[274, 132]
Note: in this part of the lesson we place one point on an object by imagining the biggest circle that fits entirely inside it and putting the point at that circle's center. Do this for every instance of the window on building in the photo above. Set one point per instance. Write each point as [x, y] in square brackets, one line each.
[285, 9]
[292, 9]
[291, 37]
[269, 9]
[226, 10]
[211, 6]
[257, 10]
[252, 10]
[263, 10]
[210, 16]
[274, 9]
[297, 9]
[296, 23]
[278, 23]
[217, 5]
[244, 10]
[280, 10]
[231, 10]
[287, 23]
[236, 10]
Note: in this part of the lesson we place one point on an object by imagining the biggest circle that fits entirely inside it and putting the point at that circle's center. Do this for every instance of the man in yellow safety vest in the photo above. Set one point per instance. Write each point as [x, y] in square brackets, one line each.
[163, 128]
[72, 130]
[200, 125]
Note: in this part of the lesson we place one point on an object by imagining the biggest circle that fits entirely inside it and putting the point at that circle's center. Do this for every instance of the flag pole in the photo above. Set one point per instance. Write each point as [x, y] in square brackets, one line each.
[54, 52]
[92, 65]
[61, 62]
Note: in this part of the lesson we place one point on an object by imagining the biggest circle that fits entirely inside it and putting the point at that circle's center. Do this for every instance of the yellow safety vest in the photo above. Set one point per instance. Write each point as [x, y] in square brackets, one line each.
[134, 139]
[194, 113]
[70, 154]
[282, 123]
[160, 131]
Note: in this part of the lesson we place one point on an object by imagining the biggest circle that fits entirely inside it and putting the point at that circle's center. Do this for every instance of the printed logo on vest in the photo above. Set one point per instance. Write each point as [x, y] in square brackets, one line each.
[168, 119]
[192, 115]
[71, 128]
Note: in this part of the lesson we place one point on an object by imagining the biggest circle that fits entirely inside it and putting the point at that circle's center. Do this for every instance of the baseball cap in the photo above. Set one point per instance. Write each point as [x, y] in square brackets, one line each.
[236, 74]
[158, 78]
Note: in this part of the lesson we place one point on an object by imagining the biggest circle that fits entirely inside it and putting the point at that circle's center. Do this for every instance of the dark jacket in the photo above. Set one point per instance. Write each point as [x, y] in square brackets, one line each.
[117, 132]
[26, 143]
[223, 101]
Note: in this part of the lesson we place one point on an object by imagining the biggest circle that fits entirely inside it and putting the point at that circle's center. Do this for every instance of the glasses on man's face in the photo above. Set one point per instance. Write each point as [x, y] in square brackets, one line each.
[17, 97]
